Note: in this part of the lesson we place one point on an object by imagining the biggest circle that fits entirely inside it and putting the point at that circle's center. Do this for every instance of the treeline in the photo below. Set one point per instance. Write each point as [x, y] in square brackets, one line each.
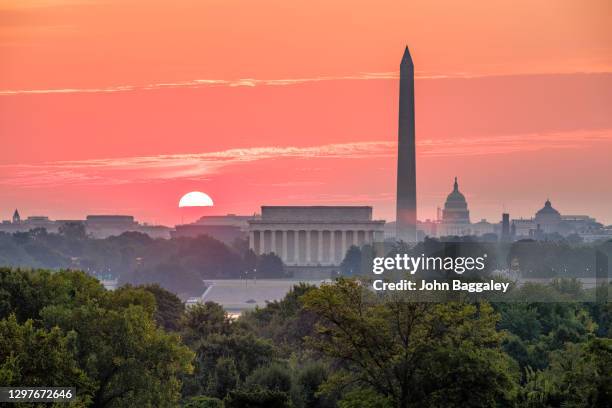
[526, 258]
[179, 265]
[339, 345]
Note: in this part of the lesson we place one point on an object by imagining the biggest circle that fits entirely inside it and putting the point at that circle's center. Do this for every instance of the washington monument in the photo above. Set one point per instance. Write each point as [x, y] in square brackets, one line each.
[406, 157]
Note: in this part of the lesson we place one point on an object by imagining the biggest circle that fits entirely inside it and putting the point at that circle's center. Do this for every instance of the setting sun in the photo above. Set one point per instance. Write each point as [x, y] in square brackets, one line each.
[196, 199]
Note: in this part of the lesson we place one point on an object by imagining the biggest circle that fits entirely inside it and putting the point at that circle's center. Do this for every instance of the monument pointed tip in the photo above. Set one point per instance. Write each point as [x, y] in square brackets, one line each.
[407, 58]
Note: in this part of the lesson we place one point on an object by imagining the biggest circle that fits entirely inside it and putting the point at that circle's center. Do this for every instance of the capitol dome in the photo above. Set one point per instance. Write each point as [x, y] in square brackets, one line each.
[548, 210]
[455, 199]
[456, 208]
[548, 219]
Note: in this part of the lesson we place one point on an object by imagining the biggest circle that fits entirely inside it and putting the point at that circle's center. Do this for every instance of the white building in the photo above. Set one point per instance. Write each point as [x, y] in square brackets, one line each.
[313, 235]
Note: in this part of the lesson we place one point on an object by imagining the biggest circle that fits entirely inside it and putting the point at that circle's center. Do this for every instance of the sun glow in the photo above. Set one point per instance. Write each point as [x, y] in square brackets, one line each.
[196, 199]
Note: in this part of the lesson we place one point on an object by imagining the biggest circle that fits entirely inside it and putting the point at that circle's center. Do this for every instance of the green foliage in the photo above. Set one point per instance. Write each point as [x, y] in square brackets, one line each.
[273, 377]
[552, 258]
[579, 375]
[522, 320]
[285, 322]
[169, 308]
[339, 345]
[536, 329]
[270, 266]
[203, 319]
[307, 383]
[178, 265]
[203, 402]
[257, 398]
[107, 341]
[414, 353]
[224, 378]
[39, 357]
[248, 352]
[73, 230]
[351, 264]
[364, 398]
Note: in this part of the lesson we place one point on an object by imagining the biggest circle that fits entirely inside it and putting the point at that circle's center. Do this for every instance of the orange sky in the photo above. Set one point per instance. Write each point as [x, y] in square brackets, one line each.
[111, 106]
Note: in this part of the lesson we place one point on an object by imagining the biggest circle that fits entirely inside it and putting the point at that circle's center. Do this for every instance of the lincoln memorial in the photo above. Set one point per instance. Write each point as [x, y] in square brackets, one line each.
[313, 235]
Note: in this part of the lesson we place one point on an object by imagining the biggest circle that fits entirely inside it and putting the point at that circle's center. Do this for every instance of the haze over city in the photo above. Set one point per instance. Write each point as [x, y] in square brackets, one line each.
[253, 110]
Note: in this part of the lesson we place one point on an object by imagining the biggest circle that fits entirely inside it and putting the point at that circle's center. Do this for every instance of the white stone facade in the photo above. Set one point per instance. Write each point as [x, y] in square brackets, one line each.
[313, 236]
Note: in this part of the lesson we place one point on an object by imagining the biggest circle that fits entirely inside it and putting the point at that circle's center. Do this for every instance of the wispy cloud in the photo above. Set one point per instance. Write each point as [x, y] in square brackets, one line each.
[526, 142]
[202, 83]
[176, 166]
[254, 82]
[232, 83]
[199, 166]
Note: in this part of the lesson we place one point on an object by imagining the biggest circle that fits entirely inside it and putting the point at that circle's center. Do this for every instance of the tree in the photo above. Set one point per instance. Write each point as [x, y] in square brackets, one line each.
[224, 379]
[202, 401]
[133, 362]
[248, 352]
[351, 264]
[273, 377]
[285, 322]
[257, 398]
[39, 357]
[203, 319]
[73, 230]
[169, 308]
[578, 376]
[364, 398]
[270, 266]
[113, 335]
[308, 381]
[417, 354]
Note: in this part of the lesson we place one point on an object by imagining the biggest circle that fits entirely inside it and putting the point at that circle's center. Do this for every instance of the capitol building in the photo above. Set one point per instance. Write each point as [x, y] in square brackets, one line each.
[454, 220]
[455, 215]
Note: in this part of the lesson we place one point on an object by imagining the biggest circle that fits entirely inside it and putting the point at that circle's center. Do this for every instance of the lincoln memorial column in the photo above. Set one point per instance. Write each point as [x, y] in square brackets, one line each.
[355, 237]
[308, 252]
[285, 252]
[344, 248]
[262, 242]
[332, 248]
[273, 242]
[296, 246]
[320, 249]
[260, 246]
[252, 240]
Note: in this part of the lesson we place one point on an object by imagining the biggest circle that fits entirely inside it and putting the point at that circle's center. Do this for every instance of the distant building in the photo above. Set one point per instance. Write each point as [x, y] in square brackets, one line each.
[96, 226]
[155, 231]
[313, 235]
[505, 230]
[39, 221]
[226, 228]
[580, 224]
[240, 221]
[548, 219]
[427, 228]
[224, 233]
[524, 227]
[455, 215]
[102, 226]
[482, 227]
